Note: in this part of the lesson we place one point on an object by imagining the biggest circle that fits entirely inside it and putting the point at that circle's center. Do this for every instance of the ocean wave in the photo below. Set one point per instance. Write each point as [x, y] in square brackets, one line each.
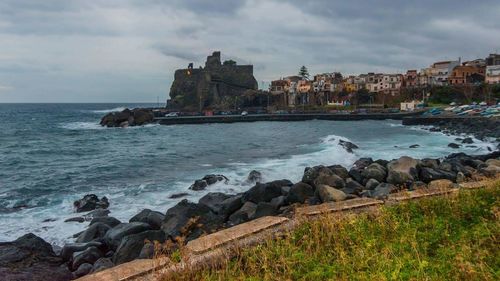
[82, 126]
[101, 111]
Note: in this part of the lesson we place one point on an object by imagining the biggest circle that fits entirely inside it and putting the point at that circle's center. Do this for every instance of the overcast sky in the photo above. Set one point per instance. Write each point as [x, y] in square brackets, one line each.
[128, 50]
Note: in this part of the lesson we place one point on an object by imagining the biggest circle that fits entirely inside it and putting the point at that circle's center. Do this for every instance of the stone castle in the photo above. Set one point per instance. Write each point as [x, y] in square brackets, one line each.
[215, 86]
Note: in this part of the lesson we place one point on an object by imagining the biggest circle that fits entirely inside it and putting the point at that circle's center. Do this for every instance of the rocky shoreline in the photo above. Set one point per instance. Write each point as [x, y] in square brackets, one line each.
[108, 242]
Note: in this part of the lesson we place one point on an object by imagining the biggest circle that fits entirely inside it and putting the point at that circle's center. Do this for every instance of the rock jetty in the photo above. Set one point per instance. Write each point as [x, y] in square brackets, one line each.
[127, 117]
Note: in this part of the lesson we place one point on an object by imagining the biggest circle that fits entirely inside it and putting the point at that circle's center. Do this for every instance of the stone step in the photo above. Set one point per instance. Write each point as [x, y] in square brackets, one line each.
[337, 206]
[228, 235]
[127, 271]
[409, 195]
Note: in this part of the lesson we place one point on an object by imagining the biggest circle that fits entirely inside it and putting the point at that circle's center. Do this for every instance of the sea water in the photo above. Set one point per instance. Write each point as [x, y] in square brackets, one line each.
[53, 154]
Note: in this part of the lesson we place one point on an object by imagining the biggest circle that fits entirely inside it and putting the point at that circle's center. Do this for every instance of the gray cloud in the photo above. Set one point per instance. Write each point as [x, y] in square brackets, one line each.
[108, 50]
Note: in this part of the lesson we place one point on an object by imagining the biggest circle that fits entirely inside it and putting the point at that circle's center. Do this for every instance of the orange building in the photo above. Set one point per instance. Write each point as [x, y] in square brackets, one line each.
[465, 74]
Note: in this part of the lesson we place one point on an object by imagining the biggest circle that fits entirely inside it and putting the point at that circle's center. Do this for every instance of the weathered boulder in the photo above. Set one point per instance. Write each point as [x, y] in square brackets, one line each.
[352, 187]
[254, 177]
[75, 219]
[94, 231]
[70, 248]
[213, 200]
[265, 192]
[347, 145]
[493, 162]
[229, 206]
[310, 174]
[374, 171]
[153, 218]
[90, 202]
[102, 264]
[82, 270]
[371, 184]
[89, 255]
[207, 180]
[178, 195]
[127, 117]
[331, 180]
[340, 171]
[402, 170]
[467, 140]
[299, 193]
[97, 213]
[358, 167]
[109, 221]
[329, 194]
[429, 174]
[417, 185]
[131, 245]
[383, 190]
[147, 251]
[190, 220]
[453, 145]
[440, 184]
[414, 146]
[429, 163]
[31, 258]
[245, 213]
[264, 209]
[278, 202]
[114, 236]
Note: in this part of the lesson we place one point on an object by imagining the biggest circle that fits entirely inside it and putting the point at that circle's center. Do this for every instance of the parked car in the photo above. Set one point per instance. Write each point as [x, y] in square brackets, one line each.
[281, 112]
[244, 113]
[172, 114]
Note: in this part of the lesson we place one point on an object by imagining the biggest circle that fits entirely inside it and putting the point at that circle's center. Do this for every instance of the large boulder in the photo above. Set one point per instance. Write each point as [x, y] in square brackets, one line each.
[70, 248]
[127, 117]
[265, 209]
[340, 171]
[429, 174]
[352, 187]
[115, 235]
[299, 193]
[31, 258]
[371, 184]
[109, 221]
[440, 184]
[190, 220]
[329, 194]
[102, 264]
[265, 192]
[207, 180]
[358, 167]
[89, 255]
[153, 218]
[402, 171]
[331, 180]
[131, 245]
[245, 213]
[347, 145]
[374, 171]
[254, 177]
[383, 190]
[213, 200]
[94, 231]
[90, 202]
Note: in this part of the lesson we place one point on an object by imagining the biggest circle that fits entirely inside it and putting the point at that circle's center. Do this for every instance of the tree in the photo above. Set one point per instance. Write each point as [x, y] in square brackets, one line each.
[304, 73]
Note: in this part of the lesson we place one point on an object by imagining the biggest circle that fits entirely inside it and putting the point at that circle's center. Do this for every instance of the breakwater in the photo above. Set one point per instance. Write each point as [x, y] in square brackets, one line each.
[281, 117]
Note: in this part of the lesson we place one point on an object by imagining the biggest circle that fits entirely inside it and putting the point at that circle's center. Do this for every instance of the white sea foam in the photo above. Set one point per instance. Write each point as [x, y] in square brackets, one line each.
[82, 126]
[116, 109]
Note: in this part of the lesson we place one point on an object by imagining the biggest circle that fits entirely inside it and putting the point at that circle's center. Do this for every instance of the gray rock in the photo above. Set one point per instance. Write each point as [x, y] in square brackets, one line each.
[131, 245]
[147, 251]
[402, 171]
[417, 185]
[94, 231]
[75, 219]
[265, 192]
[178, 195]
[352, 187]
[109, 221]
[383, 190]
[279, 201]
[347, 145]
[371, 184]
[467, 140]
[83, 270]
[374, 171]
[331, 180]
[339, 171]
[429, 163]
[329, 194]
[90, 202]
[414, 146]
[244, 214]
[264, 209]
[70, 248]
[102, 264]
[213, 200]
[254, 177]
[299, 193]
[98, 213]
[428, 174]
[89, 255]
[115, 235]
[453, 145]
[153, 218]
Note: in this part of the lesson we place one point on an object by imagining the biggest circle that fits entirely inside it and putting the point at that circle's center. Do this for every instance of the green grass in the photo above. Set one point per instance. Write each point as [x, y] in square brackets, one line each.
[442, 238]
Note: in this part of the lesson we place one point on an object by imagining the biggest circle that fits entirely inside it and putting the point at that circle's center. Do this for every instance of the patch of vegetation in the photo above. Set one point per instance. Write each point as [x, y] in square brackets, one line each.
[441, 238]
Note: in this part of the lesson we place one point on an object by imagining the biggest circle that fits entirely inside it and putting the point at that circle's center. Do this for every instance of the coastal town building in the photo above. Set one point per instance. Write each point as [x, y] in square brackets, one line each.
[493, 59]
[467, 74]
[410, 79]
[438, 73]
[492, 74]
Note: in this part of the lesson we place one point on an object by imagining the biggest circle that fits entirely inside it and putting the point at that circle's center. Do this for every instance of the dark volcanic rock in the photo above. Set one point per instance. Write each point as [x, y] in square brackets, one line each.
[352, 187]
[265, 209]
[414, 146]
[178, 195]
[109, 221]
[127, 117]
[254, 176]
[299, 193]
[207, 180]
[89, 255]
[94, 231]
[467, 140]
[90, 202]
[213, 200]
[347, 145]
[331, 180]
[429, 174]
[30, 258]
[131, 245]
[102, 264]
[264, 192]
[329, 194]
[374, 171]
[340, 171]
[371, 184]
[402, 170]
[153, 218]
[114, 236]
[244, 214]
[453, 145]
[70, 248]
[83, 269]
[190, 220]
[383, 190]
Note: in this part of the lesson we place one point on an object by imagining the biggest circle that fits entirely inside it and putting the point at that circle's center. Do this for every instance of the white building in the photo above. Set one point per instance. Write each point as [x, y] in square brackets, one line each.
[492, 74]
